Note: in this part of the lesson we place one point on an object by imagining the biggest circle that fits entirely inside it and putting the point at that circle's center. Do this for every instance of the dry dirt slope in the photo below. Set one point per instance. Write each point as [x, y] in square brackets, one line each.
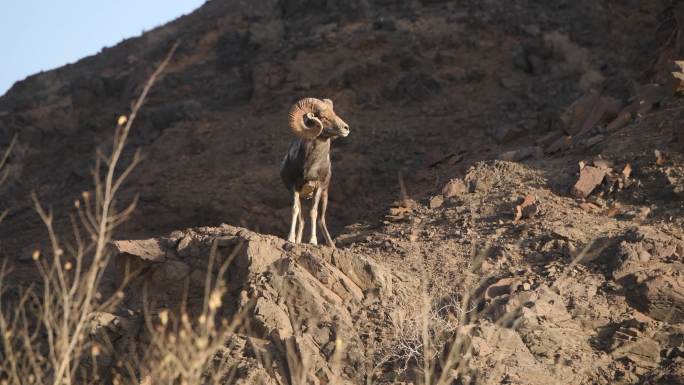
[438, 89]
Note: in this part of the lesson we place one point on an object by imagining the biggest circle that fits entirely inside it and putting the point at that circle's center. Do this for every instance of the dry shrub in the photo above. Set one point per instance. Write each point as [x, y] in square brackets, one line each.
[45, 327]
[406, 349]
[182, 348]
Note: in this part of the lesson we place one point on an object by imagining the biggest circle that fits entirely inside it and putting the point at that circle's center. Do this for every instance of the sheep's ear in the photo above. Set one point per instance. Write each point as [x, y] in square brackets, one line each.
[328, 102]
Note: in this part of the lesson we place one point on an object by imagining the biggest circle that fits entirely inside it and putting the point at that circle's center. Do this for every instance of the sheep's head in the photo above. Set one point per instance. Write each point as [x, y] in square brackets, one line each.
[311, 118]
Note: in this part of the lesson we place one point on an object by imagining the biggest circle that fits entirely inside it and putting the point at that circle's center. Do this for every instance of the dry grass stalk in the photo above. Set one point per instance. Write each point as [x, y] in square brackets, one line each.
[182, 348]
[45, 337]
[4, 172]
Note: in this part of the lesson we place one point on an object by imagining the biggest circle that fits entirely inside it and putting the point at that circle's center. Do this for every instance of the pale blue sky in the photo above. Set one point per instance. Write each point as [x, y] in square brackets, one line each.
[40, 35]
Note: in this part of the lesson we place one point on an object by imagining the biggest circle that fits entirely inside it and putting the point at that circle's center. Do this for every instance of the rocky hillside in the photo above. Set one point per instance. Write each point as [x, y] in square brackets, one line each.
[428, 88]
[514, 167]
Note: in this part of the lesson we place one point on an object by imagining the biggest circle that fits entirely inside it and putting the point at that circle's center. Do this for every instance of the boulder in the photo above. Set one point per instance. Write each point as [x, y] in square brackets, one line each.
[590, 110]
[500, 356]
[590, 178]
[454, 187]
[436, 201]
[661, 296]
[508, 133]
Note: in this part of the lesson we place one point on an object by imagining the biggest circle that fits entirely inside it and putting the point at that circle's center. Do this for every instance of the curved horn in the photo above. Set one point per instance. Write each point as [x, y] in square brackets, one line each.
[305, 108]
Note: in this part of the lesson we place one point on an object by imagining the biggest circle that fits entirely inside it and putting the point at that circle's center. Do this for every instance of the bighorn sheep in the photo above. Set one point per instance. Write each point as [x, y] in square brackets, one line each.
[306, 167]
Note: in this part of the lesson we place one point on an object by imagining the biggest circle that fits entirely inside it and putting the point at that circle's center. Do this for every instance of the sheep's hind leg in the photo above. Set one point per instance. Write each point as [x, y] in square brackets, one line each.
[296, 211]
[324, 228]
[314, 215]
[300, 225]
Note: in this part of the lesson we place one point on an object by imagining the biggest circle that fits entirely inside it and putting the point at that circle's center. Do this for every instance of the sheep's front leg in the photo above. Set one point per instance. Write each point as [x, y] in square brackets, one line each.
[314, 215]
[296, 210]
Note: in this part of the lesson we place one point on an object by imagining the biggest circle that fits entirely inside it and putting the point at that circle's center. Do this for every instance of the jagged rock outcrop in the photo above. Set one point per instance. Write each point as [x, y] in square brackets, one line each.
[288, 295]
